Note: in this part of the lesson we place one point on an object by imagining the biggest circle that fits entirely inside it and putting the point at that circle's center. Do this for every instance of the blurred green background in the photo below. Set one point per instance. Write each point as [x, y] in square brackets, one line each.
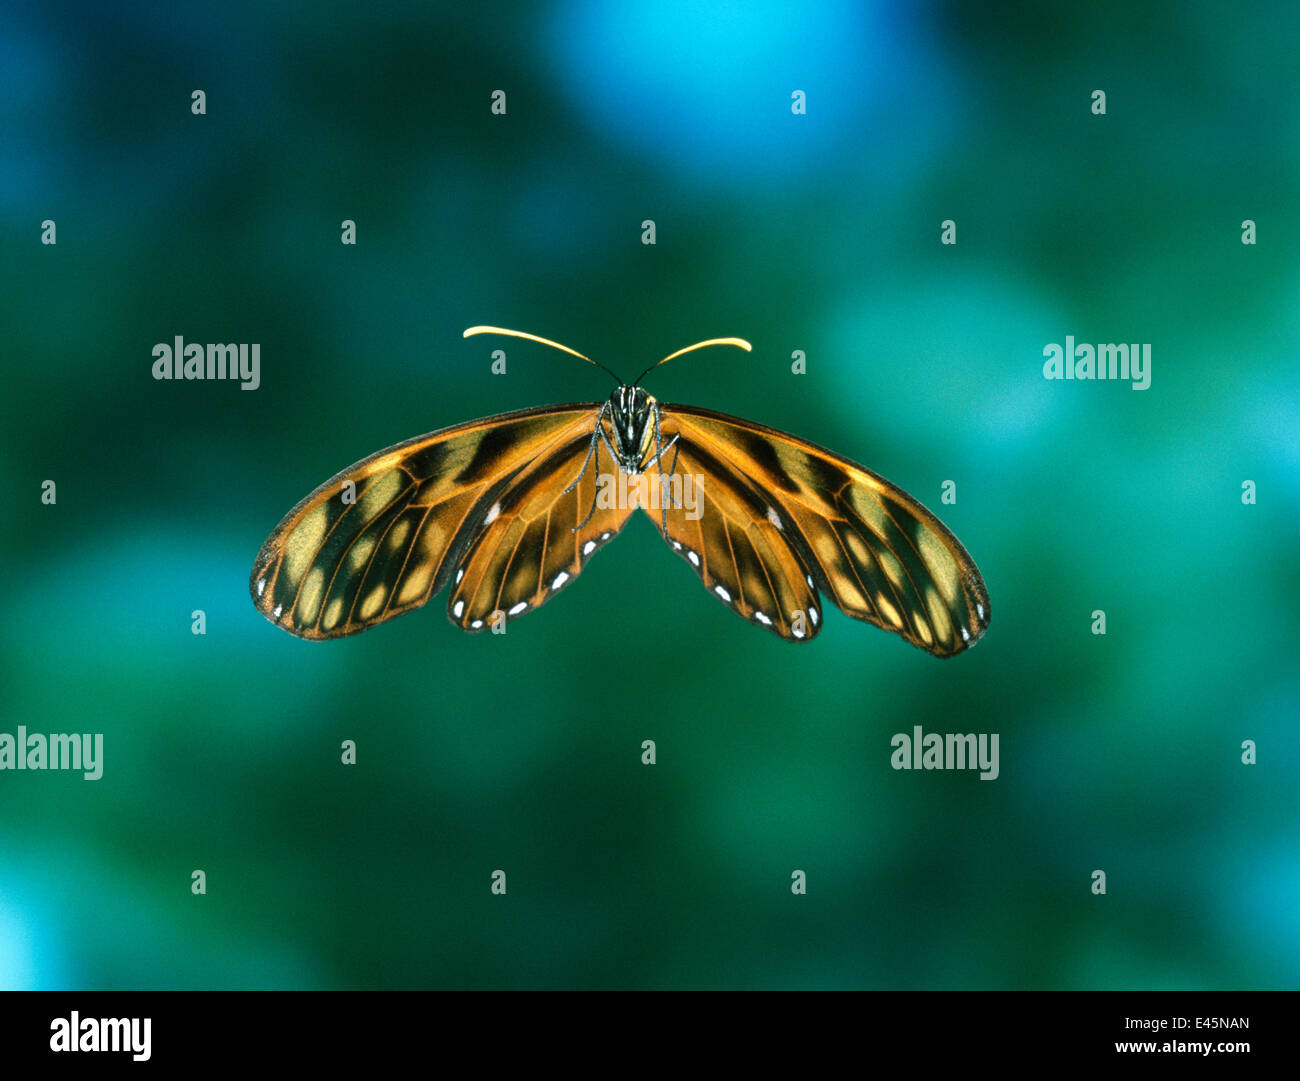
[817, 232]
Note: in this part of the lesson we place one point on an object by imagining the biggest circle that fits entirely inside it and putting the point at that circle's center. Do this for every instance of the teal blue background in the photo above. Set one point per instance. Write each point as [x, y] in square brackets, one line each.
[816, 232]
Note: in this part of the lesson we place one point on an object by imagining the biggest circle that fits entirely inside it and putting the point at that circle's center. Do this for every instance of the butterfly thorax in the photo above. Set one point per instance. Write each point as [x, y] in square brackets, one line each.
[631, 411]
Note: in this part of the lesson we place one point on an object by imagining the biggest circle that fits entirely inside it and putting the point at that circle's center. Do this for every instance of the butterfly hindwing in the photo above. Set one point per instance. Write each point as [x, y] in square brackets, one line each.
[876, 552]
[384, 535]
[533, 541]
[734, 539]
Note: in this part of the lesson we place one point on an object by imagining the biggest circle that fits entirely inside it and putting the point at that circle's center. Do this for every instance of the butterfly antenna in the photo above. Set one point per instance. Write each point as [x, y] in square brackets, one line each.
[544, 341]
[739, 343]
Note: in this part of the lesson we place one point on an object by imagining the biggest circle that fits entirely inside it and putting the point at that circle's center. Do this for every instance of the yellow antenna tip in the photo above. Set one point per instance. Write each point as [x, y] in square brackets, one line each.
[471, 331]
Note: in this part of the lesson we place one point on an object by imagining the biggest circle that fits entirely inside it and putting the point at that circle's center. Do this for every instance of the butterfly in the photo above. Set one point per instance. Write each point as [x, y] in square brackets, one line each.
[508, 510]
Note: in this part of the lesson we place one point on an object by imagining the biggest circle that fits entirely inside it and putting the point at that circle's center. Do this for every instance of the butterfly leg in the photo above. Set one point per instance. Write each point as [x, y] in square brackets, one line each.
[608, 444]
[595, 440]
[665, 483]
[600, 434]
[665, 450]
[594, 495]
[672, 472]
[660, 451]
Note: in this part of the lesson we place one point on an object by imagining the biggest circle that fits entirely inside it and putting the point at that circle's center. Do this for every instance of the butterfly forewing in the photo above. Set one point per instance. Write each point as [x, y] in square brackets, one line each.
[867, 544]
[354, 554]
[534, 541]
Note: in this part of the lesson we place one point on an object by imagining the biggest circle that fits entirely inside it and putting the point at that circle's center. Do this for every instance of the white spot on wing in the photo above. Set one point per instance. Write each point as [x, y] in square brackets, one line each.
[517, 608]
[693, 558]
[762, 619]
[798, 631]
[460, 573]
[722, 593]
[979, 610]
[774, 518]
[560, 579]
[588, 548]
[460, 607]
[810, 581]
[477, 624]
[278, 609]
[261, 586]
[965, 635]
[493, 514]
[812, 614]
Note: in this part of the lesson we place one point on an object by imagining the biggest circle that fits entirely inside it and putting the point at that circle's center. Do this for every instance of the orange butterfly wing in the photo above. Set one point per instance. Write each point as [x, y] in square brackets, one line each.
[536, 538]
[334, 567]
[875, 551]
[725, 528]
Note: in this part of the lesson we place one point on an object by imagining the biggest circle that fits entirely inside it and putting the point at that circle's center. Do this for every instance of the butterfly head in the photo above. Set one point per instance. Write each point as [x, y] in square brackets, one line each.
[630, 412]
